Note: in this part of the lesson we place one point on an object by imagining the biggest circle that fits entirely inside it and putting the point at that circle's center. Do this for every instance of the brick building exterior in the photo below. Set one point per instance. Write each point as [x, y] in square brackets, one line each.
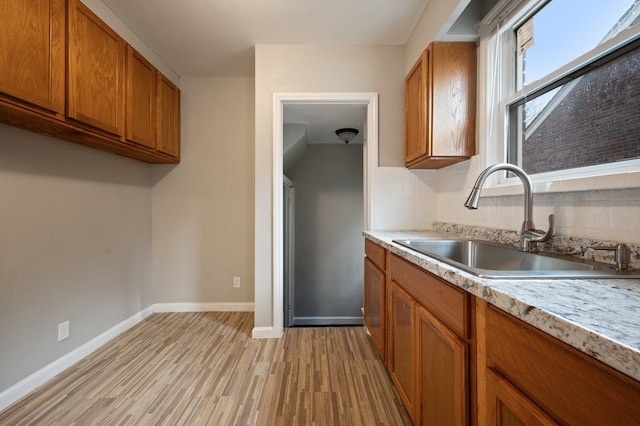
[595, 122]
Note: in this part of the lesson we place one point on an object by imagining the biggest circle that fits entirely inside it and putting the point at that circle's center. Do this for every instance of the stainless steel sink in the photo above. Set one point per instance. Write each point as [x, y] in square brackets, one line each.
[488, 260]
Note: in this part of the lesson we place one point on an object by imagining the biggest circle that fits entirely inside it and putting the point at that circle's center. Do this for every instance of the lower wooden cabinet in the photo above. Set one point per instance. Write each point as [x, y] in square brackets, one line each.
[375, 295]
[443, 371]
[429, 361]
[374, 300]
[506, 406]
[455, 362]
[402, 355]
[568, 386]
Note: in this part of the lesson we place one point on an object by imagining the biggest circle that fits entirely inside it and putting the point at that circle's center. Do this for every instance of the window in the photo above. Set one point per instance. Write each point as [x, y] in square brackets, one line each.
[564, 84]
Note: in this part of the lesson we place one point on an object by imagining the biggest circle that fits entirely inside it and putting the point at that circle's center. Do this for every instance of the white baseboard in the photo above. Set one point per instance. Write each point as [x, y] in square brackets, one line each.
[263, 333]
[46, 373]
[204, 307]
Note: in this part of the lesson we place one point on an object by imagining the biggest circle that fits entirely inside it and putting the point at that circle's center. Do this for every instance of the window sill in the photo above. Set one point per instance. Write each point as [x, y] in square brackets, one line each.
[559, 184]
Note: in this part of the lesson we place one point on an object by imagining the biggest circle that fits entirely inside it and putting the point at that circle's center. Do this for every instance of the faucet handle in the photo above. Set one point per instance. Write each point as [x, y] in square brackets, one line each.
[552, 223]
[546, 236]
[529, 238]
[622, 255]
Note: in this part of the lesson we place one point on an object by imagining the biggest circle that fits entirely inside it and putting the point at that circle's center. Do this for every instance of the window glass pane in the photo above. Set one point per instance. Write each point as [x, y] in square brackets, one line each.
[590, 120]
[565, 29]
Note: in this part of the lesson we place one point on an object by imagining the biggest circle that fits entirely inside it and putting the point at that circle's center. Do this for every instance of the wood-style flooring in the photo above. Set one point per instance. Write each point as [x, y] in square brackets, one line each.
[204, 369]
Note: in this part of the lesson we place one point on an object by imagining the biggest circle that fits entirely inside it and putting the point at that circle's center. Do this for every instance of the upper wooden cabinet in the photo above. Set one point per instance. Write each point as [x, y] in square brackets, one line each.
[153, 107]
[32, 53]
[95, 71]
[113, 99]
[415, 115]
[440, 105]
[140, 123]
[168, 125]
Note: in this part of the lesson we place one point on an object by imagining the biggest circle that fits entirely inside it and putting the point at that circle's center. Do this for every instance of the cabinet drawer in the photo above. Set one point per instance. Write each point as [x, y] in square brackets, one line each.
[375, 253]
[448, 303]
[568, 385]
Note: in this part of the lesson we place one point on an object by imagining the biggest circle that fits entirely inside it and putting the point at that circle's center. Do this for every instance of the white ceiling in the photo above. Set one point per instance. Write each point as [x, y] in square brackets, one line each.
[322, 120]
[216, 37]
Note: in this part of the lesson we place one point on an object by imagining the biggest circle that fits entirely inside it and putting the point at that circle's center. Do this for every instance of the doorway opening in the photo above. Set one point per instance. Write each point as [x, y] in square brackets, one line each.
[323, 223]
[369, 101]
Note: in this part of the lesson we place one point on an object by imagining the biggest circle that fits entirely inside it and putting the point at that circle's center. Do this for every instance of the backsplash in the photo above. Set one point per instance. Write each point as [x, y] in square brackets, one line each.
[406, 199]
[559, 244]
[594, 214]
[403, 198]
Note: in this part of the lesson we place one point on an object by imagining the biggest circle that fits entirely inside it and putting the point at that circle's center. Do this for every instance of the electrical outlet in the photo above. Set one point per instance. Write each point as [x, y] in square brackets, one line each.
[236, 282]
[63, 330]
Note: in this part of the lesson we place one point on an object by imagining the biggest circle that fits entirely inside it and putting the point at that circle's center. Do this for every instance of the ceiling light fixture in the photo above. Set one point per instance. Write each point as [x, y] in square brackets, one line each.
[347, 134]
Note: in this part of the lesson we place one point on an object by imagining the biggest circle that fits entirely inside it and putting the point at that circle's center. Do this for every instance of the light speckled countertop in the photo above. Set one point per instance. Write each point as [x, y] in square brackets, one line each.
[598, 317]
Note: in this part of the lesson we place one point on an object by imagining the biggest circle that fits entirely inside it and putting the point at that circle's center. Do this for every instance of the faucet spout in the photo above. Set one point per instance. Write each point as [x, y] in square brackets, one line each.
[529, 235]
[474, 196]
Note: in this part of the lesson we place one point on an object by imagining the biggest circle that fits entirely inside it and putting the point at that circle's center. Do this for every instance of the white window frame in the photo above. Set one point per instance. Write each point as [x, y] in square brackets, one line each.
[495, 94]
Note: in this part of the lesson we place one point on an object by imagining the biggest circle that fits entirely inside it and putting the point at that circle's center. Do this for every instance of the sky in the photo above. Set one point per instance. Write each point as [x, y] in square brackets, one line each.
[565, 29]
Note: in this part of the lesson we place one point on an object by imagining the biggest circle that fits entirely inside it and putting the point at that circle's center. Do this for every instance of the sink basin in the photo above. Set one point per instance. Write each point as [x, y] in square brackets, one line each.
[488, 260]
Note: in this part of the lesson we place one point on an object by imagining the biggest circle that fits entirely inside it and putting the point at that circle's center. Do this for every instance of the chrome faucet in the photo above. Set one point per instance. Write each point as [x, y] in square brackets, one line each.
[529, 235]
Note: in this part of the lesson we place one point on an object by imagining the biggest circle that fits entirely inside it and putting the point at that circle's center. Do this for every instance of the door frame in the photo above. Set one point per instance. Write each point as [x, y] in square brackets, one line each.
[370, 163]
[288, 232]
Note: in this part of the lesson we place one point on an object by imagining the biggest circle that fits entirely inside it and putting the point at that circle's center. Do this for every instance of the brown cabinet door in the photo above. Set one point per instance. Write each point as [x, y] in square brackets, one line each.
[374, 299]
[32, 52]
[571, 387]
[440, 99]
[443, 373]
[452, 99]
[416, 110]
[508, 407]
[140, 122]
[168, 125]
[402, 364]
[95, 71]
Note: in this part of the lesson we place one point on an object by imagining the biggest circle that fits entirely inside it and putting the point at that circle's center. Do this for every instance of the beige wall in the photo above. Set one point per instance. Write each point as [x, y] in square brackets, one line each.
[203, 207]
[75, 245]
[282, 69]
